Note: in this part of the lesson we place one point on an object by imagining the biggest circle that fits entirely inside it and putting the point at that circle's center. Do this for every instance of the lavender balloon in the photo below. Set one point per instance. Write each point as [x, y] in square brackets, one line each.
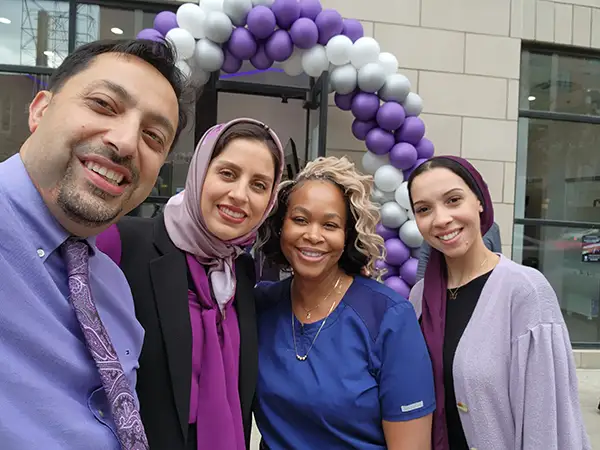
[344, 101]
[365, 106]
[412, 131]
[390, 271]
[231, 64]
[379, 141]
[242, 44]
[353, 29]
[279, 47]
[390, 116]
[397, 252]
[361, 129]
[425, 149]
[304, 33]
[261, 60]
[412, 169]
[403, 156]
[385, 232]
[398, 285]
[408, 271]
[330, 24]
[310, 8]
[165, 21]
[261, 22]
[286, 12]
[150, 34]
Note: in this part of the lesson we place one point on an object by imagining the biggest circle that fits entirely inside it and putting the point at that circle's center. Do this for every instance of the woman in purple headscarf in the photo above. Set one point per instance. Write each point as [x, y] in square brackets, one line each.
[503, 366]
[192, 284]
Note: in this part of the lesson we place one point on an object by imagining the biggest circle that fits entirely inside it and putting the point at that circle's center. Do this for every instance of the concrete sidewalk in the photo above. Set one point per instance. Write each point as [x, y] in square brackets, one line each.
[589, 393]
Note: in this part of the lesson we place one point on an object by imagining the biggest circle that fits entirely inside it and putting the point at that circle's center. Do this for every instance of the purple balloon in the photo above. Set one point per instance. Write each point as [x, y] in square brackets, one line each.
[286, 12]
[150, 34]
[425, 148]
[390, 271]
[397, 252]
[365, 106]
[344, 101]
[304, 33]
[330, 24]
[165, 21]
[408, 271]
[261, 60]
[310, 8]
[261, 22]
[398, 285]
[353, 29]
[231, 64]
[379, 141]
[390, 116]
[412, 131]
[360, 129]
[279, 46]
[412, 169]
[242, 44]
[403, 156]
[385, 232]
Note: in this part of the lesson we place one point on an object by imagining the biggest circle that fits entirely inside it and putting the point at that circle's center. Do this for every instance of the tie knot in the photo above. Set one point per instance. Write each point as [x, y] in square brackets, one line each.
[77, 254]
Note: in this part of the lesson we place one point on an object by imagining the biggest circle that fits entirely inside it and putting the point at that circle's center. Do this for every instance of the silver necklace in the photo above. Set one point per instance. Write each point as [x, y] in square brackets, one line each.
[303, 357]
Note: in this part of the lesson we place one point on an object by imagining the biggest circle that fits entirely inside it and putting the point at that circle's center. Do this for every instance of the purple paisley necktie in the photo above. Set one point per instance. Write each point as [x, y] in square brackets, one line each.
[126, 416]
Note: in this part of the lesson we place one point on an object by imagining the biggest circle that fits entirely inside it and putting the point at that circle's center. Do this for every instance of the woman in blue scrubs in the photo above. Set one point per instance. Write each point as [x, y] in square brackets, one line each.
[342, 361]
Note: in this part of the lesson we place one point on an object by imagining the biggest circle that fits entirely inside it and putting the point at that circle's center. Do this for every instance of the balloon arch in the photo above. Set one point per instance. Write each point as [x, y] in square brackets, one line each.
[302, 36]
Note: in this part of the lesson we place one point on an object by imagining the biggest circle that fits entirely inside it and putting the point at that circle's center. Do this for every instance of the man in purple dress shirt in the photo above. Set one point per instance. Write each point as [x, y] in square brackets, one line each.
[99, 136]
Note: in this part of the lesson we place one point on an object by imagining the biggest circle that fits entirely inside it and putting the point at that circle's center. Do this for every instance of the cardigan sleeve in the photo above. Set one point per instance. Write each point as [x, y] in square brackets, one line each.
[544, 391]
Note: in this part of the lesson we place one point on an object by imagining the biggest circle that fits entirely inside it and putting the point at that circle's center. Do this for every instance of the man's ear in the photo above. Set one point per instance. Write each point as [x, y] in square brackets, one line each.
[37, 109]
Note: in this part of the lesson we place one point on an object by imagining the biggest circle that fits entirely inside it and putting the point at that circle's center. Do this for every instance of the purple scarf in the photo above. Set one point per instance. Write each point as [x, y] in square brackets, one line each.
[214, 401]
[433, 322]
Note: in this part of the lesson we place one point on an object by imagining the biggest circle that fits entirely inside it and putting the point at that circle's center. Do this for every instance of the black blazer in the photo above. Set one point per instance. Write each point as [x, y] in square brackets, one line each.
[157, 274]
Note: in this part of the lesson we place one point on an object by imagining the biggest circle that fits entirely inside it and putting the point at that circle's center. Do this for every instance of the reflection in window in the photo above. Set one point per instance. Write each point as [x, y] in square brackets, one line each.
[560, 254]
[563, 170]
[38, 32]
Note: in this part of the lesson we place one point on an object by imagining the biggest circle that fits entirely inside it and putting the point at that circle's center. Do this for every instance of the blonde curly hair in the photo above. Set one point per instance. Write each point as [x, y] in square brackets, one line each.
[367, 246]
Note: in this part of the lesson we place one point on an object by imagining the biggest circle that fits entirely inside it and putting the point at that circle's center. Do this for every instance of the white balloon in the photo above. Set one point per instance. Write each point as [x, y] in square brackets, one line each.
[387, 178]
[371, 77]
[293, 65]
[389, 63]
[410, 235]
[402, 196]
[237, 10]
[208, 55]
[218, 27]
[262, 2]
[338, 50]
[371, 162]
[191, 17]
[393, 215]
[211, 5]
[364, 51]
[185, 68]
[314, 61]
[182, 41]
[381, 197]
[411, 214]
[395, 89]
[413, 104]
[344, 79]
[200, 77]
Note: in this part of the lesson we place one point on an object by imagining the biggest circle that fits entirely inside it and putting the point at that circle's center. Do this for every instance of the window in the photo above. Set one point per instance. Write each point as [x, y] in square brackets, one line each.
[557, 205]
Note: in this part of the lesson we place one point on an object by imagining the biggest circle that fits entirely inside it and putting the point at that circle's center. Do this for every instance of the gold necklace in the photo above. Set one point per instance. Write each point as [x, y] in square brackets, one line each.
[303, 357]
[454, 292]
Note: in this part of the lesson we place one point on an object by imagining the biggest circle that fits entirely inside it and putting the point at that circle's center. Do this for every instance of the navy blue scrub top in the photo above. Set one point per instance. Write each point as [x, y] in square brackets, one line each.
[370, 363]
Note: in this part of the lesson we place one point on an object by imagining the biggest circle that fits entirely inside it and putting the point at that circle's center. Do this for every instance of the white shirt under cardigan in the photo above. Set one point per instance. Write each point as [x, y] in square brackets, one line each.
[514, 371]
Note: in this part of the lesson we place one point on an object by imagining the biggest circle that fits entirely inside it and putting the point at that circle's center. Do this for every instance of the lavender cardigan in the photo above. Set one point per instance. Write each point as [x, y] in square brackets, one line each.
[514, 372]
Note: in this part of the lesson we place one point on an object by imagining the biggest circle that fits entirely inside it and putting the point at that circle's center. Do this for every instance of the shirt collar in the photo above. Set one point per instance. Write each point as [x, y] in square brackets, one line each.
[45, 232]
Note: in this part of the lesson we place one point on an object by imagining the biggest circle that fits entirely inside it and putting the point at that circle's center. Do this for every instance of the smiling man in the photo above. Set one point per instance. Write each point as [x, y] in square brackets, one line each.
[69, 339]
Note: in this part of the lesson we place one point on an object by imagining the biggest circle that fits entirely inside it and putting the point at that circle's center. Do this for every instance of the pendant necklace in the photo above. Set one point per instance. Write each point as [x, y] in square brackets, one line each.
[303, 357]
[454, 292]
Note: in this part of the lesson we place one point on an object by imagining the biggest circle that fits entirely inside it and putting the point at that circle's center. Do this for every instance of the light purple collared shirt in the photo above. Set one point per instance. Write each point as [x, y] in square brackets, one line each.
[51, 396]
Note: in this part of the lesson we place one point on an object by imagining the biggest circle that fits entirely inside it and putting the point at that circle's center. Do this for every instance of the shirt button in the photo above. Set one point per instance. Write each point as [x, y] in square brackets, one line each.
[41, 253]
[462, 407]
